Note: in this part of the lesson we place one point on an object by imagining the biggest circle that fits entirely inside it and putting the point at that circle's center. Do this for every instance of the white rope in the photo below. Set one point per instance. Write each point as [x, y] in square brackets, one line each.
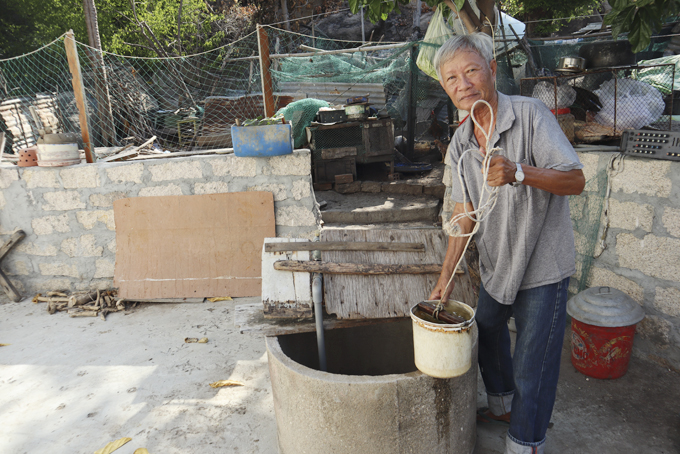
[484, 208]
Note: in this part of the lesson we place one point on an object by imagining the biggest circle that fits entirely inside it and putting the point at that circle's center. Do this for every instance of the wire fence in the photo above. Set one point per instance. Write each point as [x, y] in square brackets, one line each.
[191, 102]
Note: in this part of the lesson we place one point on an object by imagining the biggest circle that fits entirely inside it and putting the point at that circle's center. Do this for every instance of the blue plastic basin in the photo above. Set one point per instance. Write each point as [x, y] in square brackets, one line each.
[262, 141]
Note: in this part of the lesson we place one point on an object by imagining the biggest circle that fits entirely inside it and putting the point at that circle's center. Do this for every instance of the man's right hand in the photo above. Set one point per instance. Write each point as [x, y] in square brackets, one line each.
[440, 291]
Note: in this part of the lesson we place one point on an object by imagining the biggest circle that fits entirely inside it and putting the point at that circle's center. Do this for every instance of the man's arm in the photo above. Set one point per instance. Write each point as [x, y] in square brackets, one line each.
[502, 171]
[453, 253]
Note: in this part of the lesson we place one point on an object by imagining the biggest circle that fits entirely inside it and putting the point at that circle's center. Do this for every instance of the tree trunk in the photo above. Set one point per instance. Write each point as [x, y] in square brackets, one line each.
[104, 114]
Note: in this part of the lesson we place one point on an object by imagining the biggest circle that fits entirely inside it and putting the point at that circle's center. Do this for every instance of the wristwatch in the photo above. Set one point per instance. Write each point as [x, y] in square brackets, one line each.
[519, 175]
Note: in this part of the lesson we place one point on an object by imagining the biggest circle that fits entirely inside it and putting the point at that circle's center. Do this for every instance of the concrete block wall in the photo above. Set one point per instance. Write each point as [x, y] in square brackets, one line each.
[642, 256]
[67, 212]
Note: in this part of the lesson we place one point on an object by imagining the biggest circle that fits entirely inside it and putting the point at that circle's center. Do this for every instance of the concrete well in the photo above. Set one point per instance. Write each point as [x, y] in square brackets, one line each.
[373, 400]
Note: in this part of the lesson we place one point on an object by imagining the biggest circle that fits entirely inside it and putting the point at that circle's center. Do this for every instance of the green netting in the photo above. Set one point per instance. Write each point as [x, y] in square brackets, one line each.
[586, 214]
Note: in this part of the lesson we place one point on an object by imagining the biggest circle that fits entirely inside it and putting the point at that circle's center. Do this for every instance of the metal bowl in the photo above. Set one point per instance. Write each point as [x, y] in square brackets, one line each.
[571, 64]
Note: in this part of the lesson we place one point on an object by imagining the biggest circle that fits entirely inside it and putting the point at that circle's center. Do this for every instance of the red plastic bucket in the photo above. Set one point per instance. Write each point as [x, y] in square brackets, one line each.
[601, 352]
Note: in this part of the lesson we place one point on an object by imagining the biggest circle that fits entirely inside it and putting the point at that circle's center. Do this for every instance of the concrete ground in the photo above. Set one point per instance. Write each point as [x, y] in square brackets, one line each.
[73, 384]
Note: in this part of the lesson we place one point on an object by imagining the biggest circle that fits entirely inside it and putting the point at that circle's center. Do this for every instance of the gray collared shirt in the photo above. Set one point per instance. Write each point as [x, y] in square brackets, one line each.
[527, 241]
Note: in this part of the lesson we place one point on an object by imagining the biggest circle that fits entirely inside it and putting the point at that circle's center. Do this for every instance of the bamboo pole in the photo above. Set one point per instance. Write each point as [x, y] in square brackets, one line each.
[79, 93]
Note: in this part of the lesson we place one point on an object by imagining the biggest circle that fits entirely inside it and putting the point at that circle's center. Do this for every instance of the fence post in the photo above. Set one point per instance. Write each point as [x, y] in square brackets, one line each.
[265, 75]
[79, 93]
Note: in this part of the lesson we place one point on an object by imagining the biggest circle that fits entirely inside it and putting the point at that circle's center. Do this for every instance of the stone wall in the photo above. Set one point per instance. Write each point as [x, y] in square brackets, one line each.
[642, 253]
[67, 212]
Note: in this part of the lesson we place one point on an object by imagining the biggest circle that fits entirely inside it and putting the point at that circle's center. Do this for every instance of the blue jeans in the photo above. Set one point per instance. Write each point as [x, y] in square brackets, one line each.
[526, 382]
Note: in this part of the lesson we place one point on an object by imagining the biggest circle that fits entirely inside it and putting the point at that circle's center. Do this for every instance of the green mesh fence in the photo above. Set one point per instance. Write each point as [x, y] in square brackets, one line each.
[191, 102]
[586, 214]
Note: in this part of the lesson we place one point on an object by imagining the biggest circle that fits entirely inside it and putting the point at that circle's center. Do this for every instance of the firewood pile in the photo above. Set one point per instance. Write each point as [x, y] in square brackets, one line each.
[85, 304]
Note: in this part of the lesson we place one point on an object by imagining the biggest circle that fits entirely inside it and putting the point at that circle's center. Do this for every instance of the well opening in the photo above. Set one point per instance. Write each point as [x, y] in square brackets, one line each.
[380, 349]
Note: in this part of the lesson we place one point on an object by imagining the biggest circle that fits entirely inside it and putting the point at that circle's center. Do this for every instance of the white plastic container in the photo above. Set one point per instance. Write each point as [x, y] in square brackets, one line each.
[443, 351]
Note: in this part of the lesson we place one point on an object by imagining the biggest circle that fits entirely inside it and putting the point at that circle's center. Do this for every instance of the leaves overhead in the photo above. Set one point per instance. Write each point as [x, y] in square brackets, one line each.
[640, 19]
[29, 24]
[377, 9]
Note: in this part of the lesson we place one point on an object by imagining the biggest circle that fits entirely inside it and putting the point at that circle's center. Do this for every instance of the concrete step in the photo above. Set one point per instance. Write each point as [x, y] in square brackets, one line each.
[377, 208]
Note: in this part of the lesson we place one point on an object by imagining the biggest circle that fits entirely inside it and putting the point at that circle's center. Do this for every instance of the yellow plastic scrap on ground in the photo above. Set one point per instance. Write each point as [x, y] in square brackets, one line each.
[195, 340]
[220, 298]
[5, 345]
[112, 446]
[141, 451]
[223, 383]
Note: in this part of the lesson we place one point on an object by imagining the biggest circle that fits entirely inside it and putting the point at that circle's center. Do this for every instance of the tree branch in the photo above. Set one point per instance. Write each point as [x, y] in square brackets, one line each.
[179, 26]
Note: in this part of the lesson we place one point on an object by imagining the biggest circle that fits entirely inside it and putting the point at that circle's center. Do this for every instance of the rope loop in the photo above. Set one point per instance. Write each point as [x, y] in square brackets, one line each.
[488, 193]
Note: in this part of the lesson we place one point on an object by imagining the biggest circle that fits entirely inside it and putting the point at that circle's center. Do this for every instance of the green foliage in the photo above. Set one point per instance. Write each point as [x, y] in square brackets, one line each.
[377, 9]
[640, 19]
[547, 9]
[29, 24]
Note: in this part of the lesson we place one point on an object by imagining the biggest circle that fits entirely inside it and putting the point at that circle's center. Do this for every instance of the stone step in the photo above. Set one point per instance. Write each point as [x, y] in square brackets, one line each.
[378, 208]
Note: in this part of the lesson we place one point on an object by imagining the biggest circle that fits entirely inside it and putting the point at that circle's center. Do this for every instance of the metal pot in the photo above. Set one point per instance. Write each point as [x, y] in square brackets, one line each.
[356, 111]
[571, 64]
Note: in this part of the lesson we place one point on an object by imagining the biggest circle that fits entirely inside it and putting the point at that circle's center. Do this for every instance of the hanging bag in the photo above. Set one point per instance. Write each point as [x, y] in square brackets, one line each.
[437, 34]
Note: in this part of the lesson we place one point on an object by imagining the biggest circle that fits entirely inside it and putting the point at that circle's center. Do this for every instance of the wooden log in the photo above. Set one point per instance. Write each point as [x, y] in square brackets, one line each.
[343, 246]
[355, 268]
[443, 316]
[5, 283]
[13, 240]
[128, 153]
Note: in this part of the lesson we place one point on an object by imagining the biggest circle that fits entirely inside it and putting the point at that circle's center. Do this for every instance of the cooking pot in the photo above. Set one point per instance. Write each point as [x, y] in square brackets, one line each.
[571, 64]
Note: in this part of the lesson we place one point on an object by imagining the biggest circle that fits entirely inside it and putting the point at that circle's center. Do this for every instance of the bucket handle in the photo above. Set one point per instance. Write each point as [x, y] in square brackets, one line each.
[609, 290]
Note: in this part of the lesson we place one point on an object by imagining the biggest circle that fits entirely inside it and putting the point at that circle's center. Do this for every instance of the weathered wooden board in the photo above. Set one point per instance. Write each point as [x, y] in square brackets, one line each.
[250, 319]
[285, 294]
[352, 296]
[191, 246]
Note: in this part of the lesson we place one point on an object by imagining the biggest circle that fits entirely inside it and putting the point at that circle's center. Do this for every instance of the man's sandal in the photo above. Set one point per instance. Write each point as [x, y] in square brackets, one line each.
[484, 415]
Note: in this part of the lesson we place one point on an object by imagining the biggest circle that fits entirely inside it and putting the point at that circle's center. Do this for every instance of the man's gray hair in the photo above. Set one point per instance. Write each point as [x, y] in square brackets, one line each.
[476, 42]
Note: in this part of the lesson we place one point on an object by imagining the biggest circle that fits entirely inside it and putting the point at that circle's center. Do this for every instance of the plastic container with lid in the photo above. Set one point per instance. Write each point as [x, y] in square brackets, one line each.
[602, 329]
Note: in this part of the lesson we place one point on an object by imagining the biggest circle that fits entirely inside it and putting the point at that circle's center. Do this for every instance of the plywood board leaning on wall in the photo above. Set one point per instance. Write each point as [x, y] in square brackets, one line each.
[353, 296]
[192, 246]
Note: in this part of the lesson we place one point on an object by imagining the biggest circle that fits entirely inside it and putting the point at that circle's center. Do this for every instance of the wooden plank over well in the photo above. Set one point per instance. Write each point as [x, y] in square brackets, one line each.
[191, 246]
[352, 296]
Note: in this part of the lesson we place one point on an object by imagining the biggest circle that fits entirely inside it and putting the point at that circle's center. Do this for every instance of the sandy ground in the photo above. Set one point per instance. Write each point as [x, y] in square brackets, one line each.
[71, 385]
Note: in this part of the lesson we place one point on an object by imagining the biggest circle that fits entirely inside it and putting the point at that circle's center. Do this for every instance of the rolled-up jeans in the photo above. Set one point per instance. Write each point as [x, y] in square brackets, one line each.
[526, 382]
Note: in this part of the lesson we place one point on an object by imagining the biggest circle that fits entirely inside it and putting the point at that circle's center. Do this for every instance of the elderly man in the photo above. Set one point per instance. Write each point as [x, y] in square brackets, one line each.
[526, 245]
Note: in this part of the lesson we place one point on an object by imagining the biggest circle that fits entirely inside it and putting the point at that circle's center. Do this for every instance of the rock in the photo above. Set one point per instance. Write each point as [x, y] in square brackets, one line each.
[347, 26]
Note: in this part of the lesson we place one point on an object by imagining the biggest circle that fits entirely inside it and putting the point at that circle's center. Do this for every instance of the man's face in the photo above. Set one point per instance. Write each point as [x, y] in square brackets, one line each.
[468, 77]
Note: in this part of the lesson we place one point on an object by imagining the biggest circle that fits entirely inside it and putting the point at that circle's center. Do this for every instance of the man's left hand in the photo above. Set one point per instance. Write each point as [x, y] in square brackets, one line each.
[501, 171]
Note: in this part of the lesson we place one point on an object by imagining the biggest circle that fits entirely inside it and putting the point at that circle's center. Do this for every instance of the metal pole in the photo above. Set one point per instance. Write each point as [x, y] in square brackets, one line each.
[317, 298]
[416, 15]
